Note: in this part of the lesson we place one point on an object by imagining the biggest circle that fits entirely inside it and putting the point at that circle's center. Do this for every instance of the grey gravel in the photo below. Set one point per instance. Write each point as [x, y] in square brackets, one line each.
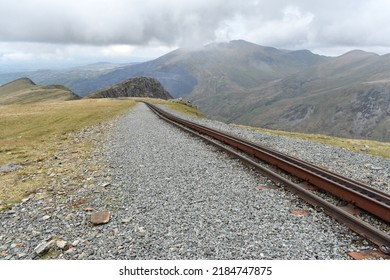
[10, 167]
[172, 196]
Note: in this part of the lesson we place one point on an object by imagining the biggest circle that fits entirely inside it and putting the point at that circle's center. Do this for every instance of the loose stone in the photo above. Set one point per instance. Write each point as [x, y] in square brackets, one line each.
[46, 217]
[61, 244]
[43, 247]
[101, 217]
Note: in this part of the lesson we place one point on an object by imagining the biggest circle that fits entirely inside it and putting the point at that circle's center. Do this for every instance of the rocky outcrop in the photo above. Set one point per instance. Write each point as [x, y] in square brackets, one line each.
[134, 87]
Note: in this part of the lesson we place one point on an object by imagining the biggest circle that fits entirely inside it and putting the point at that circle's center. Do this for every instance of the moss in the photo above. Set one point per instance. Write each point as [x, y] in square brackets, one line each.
[51, 254]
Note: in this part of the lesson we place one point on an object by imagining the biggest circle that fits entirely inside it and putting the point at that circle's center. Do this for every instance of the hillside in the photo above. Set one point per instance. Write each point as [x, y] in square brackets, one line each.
[135, 87]
[347, 96]
[24, 91]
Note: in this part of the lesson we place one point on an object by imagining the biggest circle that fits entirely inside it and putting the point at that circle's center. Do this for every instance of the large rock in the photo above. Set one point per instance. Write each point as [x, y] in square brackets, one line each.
[135, 87]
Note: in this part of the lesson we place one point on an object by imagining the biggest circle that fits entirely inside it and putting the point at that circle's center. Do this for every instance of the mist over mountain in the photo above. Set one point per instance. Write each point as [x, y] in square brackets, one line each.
[245, 83]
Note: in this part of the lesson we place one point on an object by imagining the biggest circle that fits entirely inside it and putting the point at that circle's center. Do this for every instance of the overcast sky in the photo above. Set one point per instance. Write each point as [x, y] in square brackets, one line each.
[71, 31]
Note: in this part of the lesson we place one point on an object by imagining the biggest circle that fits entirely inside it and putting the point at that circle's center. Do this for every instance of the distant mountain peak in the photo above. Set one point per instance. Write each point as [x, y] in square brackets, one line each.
[359, 53]
[24, 81]
[240, 42]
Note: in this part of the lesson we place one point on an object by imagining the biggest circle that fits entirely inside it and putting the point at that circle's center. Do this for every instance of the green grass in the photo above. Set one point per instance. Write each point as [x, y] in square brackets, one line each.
[375, 148]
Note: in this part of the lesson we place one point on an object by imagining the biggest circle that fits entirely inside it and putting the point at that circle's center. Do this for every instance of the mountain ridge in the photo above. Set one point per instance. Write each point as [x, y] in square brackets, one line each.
[24, 91]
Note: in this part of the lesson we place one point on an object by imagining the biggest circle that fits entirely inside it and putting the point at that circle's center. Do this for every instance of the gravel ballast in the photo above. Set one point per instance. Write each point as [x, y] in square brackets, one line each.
[372, 170]
[171, 196]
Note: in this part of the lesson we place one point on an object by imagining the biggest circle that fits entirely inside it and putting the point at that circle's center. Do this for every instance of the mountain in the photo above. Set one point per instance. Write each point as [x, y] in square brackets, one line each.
[82, 80]
[135, 87]
[217, 67]
[237, 65]
[244, 83]
[347, 96]
[23, 91]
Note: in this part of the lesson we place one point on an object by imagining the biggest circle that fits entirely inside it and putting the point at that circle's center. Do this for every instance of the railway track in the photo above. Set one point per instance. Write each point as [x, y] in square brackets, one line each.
[368, 199]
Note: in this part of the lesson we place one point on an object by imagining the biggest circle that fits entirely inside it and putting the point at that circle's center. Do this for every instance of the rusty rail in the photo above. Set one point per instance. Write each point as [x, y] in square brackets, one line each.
[356, 193]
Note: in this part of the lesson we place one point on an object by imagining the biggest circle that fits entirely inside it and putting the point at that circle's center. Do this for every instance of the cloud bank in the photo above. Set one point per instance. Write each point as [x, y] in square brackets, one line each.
[111, 25]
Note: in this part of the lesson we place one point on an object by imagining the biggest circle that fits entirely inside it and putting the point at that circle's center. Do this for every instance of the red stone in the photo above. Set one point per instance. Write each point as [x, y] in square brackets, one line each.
[101, 217]
[300, 212]
[266, 187]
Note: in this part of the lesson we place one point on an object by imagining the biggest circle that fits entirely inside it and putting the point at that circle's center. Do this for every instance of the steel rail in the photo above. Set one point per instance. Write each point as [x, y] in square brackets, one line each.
[380, 238]
[353, 192]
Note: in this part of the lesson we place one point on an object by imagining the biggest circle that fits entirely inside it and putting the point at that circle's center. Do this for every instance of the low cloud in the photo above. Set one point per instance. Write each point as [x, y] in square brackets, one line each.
[105, 24]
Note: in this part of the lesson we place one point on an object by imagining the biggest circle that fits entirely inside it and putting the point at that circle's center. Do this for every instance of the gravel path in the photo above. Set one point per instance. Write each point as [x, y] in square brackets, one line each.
[171, 196]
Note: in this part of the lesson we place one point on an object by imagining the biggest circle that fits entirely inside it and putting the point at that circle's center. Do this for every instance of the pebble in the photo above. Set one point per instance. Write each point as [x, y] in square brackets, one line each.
[43, 247]
[46, 217]
[71, 252]
[22, 255]
[140, 231]
[61, 244]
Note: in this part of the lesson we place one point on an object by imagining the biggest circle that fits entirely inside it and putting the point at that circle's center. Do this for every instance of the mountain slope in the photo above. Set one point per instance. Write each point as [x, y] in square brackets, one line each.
[135, 87]
[23, 91]
[346, 96]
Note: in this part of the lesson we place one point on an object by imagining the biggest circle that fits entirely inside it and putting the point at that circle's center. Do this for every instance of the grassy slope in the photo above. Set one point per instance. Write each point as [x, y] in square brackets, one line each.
[38, 94]
[24, 91]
